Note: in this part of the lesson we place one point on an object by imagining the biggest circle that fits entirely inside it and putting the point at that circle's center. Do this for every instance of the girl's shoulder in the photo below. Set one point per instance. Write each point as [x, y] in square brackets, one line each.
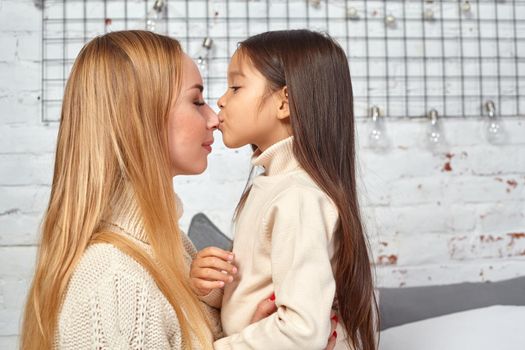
[300, 193]
[298, 185]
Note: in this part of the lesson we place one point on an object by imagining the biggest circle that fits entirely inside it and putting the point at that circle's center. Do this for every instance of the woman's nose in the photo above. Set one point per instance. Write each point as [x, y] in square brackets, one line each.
[213, 119]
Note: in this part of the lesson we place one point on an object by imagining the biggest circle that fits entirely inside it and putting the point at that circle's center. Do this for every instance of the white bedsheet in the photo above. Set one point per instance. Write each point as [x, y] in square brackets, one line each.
[491, 328]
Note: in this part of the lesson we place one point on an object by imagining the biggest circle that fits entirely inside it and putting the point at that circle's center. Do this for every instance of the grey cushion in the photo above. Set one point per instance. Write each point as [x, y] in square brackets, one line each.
[403, 305]
[203, 233]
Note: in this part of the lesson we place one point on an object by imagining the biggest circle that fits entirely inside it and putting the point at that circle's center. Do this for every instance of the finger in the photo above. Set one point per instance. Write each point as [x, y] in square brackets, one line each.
[216, 252]
[331, 341]
[333, 322]
[216, 263]
[267, 307]
[211, 275]
[264, 309]
[207, 285]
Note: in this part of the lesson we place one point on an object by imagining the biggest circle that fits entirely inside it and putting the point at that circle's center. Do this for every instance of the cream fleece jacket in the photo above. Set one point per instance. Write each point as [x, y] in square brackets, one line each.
[283, 244]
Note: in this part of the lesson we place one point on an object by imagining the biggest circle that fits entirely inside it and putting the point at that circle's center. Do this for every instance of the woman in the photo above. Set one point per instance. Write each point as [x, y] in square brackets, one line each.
[112, 268]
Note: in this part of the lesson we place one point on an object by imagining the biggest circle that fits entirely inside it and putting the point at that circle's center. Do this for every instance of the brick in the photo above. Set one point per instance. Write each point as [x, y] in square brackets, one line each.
[23, 199]
[17, 261]
[22, 107]
[26, 169]
[28, 46]
[19, 229]
[501, 217]
[426, 218]
[487, 246]
[19, 16]
[8, 52]
[451, 273]
[10, 323]
[14, 292]
[22, 76]
[21, 138]
[8, 342]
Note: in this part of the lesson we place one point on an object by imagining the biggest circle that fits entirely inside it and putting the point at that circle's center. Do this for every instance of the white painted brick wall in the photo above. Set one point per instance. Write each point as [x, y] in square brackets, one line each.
[427, 225]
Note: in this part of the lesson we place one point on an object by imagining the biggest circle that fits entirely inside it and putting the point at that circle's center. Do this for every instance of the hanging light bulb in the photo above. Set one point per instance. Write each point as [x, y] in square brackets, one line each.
[378, 139]
[391, 21]
[315, 3]
[435, 137]
[466, 7]
[428, 14]
[494, 130]
[202, 56]
[352, 13]
[155, 14]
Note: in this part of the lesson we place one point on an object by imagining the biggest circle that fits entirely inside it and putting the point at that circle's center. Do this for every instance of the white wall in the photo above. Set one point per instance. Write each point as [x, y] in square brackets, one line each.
[428, 225]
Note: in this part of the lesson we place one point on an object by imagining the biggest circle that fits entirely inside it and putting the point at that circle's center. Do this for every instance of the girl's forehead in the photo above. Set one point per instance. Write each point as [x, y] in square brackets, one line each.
[240, 64]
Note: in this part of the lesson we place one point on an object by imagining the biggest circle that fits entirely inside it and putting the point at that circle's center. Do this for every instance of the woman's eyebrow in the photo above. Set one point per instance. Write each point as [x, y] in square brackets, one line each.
[197, 86]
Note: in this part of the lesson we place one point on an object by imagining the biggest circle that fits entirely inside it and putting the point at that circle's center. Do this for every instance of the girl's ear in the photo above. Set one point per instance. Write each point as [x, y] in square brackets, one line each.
[281, 99]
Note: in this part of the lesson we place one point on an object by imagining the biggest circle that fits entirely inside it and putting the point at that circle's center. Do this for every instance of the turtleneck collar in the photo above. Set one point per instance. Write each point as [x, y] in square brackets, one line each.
[125, 216]
[276, 159]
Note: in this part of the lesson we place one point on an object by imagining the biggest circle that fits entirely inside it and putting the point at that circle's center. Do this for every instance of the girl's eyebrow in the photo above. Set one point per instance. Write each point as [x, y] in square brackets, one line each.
[235, 72]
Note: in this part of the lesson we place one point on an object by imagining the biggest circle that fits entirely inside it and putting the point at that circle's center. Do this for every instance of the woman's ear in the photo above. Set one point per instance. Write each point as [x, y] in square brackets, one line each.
[283, 107]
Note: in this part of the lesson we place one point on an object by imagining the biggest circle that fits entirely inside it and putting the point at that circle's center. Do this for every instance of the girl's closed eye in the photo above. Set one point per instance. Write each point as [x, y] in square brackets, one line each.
[235, 88]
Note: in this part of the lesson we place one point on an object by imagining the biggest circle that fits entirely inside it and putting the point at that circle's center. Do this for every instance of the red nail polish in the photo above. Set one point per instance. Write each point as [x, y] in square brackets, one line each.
[272, 298]
[335, 318]
[334, 334]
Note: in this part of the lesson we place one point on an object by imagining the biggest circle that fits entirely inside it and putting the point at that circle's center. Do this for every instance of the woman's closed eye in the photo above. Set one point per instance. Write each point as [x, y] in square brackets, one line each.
[199, 103]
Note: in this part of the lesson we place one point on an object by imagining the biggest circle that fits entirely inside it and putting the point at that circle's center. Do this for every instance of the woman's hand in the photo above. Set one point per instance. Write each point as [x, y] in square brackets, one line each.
[333, 334]
[264, 309]
[212, 268]
[267, 307]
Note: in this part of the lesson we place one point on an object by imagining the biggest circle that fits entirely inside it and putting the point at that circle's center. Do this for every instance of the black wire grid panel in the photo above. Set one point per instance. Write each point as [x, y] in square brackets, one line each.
[406, 57]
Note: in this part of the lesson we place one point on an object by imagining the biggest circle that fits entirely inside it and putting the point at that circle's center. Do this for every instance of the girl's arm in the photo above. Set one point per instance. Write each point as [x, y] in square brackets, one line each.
[300, 222]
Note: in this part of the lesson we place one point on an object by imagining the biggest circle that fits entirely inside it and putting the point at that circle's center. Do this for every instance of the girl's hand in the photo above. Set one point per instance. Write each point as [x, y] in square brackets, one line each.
[212, 268]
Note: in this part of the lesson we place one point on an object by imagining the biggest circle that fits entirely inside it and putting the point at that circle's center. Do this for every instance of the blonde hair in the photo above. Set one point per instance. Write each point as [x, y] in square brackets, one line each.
[112, 138]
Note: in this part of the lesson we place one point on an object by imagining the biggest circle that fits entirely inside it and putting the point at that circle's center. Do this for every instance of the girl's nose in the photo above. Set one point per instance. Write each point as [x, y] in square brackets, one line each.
[220, 102]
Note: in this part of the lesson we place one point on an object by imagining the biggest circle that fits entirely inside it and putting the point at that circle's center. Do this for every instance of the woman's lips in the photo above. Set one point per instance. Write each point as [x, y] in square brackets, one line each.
[207, 146]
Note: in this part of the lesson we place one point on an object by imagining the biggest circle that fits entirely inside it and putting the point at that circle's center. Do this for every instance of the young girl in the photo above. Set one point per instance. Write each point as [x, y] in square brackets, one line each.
[298, 231]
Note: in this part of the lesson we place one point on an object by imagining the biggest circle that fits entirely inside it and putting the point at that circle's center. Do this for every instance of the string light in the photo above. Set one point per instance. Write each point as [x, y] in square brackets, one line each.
[202, 56]
[377, 137]
[494, 131]
[155, 14]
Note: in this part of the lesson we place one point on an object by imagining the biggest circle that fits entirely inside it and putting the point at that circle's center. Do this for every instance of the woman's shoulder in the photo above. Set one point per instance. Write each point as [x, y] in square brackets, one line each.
[110, 292]
[108, 275]
[101, 261]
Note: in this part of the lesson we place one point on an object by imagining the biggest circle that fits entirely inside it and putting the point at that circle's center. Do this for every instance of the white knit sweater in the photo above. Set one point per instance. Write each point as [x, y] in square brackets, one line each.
[112, 302]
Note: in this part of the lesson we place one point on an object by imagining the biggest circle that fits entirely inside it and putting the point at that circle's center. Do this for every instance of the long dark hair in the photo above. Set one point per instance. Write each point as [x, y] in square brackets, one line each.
[314, 68]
